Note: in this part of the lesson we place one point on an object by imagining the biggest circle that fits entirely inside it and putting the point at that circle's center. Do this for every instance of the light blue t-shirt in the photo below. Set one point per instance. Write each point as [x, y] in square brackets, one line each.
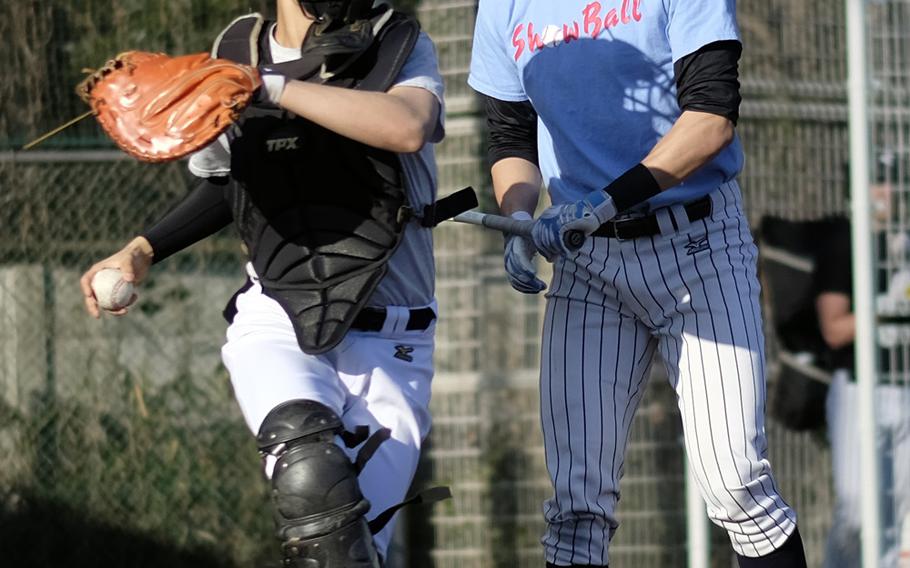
[600, 76]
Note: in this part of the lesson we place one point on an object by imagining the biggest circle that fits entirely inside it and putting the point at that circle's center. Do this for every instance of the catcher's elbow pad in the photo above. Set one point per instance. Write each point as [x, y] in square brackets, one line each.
[319, 508]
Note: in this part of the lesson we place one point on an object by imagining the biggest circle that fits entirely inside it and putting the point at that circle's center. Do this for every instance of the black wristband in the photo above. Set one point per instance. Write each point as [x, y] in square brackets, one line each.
[635, 186]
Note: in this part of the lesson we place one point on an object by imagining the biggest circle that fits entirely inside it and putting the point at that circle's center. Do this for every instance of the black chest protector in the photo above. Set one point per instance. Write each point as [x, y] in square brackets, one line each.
[320, 214]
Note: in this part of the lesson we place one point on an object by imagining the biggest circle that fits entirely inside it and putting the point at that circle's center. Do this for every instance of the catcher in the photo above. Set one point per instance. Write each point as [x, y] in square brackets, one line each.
[334, 330]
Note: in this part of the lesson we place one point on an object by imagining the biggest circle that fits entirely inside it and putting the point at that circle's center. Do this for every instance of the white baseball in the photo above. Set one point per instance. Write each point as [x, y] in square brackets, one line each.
[111, 290]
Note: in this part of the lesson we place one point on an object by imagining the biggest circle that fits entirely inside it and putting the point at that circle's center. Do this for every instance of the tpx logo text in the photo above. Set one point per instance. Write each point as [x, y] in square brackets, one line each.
[280, 144]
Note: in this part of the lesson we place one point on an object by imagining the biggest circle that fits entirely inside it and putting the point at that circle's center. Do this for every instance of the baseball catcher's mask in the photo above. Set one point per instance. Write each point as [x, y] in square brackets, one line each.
[343, 32]
[346, 11]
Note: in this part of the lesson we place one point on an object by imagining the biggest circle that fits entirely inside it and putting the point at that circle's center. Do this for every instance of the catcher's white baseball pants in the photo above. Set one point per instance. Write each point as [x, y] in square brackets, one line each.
[693, 294]
[362, 380]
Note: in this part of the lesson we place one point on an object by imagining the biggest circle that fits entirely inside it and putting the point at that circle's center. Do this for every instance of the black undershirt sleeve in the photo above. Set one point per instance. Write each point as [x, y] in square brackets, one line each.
[513, 130]
[833, 269]
[708, 79]
[202, 213]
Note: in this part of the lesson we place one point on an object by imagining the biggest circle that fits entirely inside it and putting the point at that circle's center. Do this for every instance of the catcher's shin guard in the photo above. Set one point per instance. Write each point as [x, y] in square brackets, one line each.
[319, 508]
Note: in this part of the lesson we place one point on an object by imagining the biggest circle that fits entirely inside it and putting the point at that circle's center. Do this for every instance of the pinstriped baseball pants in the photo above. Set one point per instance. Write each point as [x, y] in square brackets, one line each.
[692, 293]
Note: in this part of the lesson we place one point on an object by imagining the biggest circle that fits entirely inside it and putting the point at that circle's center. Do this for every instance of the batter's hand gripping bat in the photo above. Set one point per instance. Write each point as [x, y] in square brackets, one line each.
[572, 239]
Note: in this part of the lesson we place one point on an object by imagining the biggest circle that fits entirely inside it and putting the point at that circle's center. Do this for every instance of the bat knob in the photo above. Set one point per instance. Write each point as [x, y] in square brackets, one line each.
[574, 239]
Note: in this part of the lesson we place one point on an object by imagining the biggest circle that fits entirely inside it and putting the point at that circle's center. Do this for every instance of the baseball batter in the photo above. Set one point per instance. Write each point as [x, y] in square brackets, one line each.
[625, 110]
[330, 343]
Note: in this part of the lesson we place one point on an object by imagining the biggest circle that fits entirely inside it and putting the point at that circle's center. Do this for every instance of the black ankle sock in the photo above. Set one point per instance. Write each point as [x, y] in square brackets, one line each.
[549, 565]
[790, 555]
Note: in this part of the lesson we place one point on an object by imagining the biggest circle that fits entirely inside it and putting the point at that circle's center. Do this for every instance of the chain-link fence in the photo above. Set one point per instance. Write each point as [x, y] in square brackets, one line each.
[889, 74]
[122, 445]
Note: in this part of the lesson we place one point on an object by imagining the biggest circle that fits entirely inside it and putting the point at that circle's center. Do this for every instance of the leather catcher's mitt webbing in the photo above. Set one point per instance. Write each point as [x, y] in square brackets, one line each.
[160, 108]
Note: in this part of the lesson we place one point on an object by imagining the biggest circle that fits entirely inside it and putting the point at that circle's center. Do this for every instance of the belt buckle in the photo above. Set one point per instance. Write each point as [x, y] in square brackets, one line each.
[618, 227]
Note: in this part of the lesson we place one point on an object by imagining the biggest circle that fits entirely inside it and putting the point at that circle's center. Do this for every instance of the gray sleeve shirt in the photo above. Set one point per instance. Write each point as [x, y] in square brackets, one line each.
[411, 278]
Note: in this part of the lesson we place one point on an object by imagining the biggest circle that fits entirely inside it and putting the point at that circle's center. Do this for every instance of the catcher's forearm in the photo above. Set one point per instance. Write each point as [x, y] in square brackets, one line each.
[401, 120]
[516, 184]
[202, 213]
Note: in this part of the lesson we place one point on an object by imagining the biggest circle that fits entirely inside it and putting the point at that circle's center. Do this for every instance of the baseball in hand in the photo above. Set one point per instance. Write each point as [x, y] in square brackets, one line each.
[111, 290]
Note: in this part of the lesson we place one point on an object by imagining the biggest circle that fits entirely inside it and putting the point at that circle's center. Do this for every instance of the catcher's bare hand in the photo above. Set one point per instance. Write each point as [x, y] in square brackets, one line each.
[133, 261]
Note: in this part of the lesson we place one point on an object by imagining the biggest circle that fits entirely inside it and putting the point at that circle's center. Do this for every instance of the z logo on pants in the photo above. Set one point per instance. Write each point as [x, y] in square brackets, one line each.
[403, 352]
[697, 245]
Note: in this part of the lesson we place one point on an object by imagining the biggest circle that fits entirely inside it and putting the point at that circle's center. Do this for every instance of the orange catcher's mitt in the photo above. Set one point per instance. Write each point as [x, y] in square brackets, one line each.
[160, 108]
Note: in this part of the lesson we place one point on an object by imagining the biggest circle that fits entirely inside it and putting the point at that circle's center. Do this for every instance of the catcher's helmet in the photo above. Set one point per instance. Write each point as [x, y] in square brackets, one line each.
[345, 10]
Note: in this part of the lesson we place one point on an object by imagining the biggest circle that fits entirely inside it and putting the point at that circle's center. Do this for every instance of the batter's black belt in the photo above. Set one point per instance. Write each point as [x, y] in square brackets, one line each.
[373, 319]
[636, 227]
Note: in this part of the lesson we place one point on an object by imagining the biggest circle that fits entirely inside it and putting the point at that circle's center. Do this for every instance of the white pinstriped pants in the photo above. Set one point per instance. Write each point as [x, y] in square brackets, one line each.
[694, 295]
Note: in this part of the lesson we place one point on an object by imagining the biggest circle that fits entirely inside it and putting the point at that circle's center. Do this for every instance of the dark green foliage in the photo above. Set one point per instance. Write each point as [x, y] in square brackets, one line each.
[165, 478]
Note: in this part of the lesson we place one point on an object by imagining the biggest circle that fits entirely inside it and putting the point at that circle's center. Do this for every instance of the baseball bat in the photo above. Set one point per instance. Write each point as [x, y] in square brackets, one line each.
[572, 239]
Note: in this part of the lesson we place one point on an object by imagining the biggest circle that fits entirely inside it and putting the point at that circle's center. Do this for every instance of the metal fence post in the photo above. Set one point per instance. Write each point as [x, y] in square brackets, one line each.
[864, 307]
[698, 531]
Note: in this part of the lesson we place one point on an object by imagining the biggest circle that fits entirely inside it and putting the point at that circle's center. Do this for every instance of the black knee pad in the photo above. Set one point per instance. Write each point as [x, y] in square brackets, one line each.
[319, 508]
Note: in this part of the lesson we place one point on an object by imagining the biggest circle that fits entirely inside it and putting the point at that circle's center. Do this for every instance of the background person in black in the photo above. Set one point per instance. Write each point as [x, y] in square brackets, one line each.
[834, 306]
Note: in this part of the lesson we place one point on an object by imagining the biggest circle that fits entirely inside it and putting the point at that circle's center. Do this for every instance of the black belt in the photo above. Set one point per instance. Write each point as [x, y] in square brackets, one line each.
[646, 226]
[230, 310]
[372, 319]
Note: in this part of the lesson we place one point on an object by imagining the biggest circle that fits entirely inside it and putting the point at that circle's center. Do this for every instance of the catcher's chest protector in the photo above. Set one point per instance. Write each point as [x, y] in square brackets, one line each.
[319, 213]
